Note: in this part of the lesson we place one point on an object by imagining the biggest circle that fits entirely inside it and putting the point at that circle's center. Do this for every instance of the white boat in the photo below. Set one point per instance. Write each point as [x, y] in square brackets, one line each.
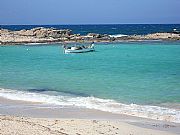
[79, 49]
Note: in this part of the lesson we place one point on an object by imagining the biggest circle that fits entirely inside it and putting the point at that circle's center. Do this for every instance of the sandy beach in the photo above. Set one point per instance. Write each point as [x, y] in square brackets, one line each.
[33, 126]
[26, 118]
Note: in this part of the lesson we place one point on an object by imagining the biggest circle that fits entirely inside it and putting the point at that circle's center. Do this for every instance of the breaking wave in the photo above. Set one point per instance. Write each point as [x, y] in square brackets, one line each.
[70, 100]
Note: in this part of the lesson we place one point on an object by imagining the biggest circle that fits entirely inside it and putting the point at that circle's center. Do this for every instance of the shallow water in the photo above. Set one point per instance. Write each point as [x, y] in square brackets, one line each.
[111, 78]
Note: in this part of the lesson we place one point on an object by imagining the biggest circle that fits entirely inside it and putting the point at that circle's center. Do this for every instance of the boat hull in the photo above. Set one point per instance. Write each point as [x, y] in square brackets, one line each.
[79, 51]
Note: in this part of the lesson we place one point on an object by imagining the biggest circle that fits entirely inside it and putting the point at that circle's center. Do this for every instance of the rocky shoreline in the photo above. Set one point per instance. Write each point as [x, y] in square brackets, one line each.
[52, 35]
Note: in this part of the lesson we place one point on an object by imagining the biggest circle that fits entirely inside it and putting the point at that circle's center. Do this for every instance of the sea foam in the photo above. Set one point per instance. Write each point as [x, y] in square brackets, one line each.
[63, 100]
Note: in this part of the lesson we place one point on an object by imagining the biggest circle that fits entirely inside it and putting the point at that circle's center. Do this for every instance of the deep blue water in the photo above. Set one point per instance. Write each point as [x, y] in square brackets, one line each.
[111, 29]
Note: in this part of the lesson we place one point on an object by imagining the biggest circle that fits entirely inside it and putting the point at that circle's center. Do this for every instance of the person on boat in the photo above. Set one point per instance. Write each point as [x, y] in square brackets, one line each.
[92, 45]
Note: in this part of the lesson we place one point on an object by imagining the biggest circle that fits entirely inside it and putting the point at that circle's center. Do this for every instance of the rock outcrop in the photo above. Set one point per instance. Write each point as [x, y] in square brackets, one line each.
[48, 35]
[157, 36]
[44, 32]
[36, 35]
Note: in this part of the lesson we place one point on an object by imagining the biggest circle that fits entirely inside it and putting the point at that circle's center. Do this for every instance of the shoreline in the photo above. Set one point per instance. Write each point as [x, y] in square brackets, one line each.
[86, 42]
[29, 112]
[156, 112]
[152, 42]
[166, 112]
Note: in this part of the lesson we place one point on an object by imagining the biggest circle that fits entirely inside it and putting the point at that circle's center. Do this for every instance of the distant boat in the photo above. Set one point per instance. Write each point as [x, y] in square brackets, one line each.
[79, 48]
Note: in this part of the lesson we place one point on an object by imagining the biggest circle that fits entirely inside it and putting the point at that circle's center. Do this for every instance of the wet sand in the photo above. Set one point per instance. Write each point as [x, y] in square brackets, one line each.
[27, 118]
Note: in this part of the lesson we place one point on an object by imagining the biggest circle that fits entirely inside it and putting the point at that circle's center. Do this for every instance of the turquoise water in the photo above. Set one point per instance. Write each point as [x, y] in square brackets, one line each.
[147, 74]
[127, 73]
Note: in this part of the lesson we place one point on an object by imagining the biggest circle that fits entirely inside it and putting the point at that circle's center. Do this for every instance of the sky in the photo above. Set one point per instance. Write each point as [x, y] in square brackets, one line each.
[89, 11]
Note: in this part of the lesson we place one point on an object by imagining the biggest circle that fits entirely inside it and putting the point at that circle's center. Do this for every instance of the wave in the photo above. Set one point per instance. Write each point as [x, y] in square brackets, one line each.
[68, 100]
[118, 35]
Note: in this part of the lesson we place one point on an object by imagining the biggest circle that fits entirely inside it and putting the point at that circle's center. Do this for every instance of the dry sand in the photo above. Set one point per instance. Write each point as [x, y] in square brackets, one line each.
[10, 125]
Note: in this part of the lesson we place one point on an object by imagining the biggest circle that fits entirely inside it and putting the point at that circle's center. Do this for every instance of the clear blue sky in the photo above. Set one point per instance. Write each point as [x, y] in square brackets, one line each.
[89, 11]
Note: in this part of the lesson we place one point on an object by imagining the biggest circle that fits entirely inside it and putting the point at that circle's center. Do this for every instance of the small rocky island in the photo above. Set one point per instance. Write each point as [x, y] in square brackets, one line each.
[52, 35]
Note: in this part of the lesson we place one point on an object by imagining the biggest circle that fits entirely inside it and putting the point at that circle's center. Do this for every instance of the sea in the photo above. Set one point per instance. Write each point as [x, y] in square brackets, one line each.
[135, 78]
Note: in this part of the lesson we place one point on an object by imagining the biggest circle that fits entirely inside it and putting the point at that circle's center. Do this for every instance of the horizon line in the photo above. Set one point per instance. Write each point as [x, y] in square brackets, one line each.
[102, 24]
